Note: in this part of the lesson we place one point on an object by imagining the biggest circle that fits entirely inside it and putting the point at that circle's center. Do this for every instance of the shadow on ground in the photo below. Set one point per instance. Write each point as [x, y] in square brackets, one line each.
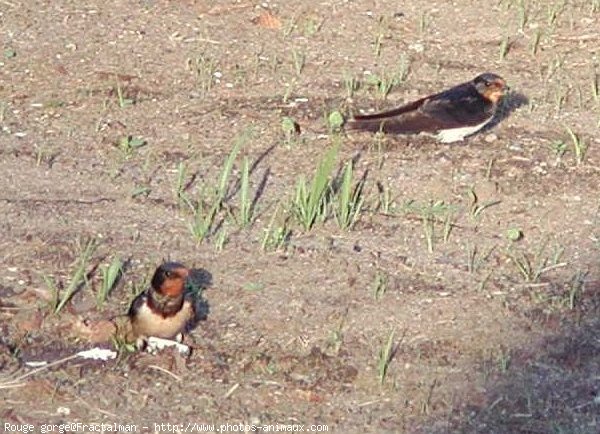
[512, 102]
[552, 388]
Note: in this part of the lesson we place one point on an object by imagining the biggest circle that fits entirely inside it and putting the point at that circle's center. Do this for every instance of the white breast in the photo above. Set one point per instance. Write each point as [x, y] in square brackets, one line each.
[458, 134]
[148, 323]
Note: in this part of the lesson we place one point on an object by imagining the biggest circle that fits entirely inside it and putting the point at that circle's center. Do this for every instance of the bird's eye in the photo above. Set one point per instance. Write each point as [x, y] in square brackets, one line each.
[168, 274]
[487, 83]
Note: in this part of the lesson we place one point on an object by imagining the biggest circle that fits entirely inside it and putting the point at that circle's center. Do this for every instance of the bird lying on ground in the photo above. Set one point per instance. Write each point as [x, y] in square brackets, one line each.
[451, 115]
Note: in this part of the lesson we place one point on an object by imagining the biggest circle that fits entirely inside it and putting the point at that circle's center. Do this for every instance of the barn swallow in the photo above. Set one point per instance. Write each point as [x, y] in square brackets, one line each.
[164, 310]
[452, 114]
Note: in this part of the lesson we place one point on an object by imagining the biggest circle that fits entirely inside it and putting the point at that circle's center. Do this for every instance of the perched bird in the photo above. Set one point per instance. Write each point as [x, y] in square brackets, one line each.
[452, 114]
[164, 310]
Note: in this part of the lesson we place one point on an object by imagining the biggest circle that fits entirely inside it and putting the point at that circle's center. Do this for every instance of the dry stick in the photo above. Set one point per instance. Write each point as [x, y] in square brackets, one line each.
[84, 354]
[230, 391]
[99, 410]
[166, 371]
[14, 382]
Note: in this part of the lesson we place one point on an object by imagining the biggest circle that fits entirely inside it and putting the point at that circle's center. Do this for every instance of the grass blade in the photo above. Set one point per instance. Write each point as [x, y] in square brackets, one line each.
[79, 276]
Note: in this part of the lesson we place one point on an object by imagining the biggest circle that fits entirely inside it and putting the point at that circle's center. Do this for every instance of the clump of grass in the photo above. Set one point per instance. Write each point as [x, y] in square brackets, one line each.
[386, 353]
[277, 234]
[204, 216]
[476, 207]
[535, 42]
[379, 35]
[448, 225]
[204, 68]
[380, 284]
[475, 258]
[379, 143]
[299, 61]
[179, 189]
[121, 345]
[221, 239]
[385, 82]
[385, 201]
[141, 191]
[554, 11]
[3, 109]
[349, 200]
[503, 358]
[9, 53]
[289, 25]
[245, 215]
[290, 130]
[532, 266]
[558, 148]
[382, 84]
[212, 199]
[289, 90]
[310, 199]
[523, 15]
[576, 287]
[60, 297]
[336, 338]
[560, 95]
[351, 84]
[580, 148]
[428, 230]
[122, 100]
[554, 66]
[430, 214]
[423, 22]
[129, 144]
[504, 47]
[43, 154]
[110, 277]
[312, 26]
[426, 403]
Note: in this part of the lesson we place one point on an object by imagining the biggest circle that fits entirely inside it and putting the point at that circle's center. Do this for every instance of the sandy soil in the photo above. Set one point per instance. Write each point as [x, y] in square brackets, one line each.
[295, 332]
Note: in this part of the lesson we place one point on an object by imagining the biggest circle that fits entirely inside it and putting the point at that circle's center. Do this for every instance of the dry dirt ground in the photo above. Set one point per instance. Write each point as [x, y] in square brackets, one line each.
[490, 334]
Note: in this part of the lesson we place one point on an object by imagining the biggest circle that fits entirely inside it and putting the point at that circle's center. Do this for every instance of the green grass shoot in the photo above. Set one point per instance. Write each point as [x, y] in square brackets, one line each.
[277, 233]
[129, 144]
[349, 199]
[123, 101]
[579, 146]
[110, 277]
[60, 297]
[386, 354]
[532, 266]
[212, 200]
[309, 202]
[180, 195]
[245, 212]
[380, 284]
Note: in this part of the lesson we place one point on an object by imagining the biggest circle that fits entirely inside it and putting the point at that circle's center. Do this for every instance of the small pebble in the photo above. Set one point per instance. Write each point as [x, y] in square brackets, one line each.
[491, 138]
[419, 48]
[515, 147]
[63, 411]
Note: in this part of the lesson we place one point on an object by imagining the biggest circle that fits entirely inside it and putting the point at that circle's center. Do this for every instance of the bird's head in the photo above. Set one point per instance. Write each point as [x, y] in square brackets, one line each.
[169, 279]
[491, 86]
